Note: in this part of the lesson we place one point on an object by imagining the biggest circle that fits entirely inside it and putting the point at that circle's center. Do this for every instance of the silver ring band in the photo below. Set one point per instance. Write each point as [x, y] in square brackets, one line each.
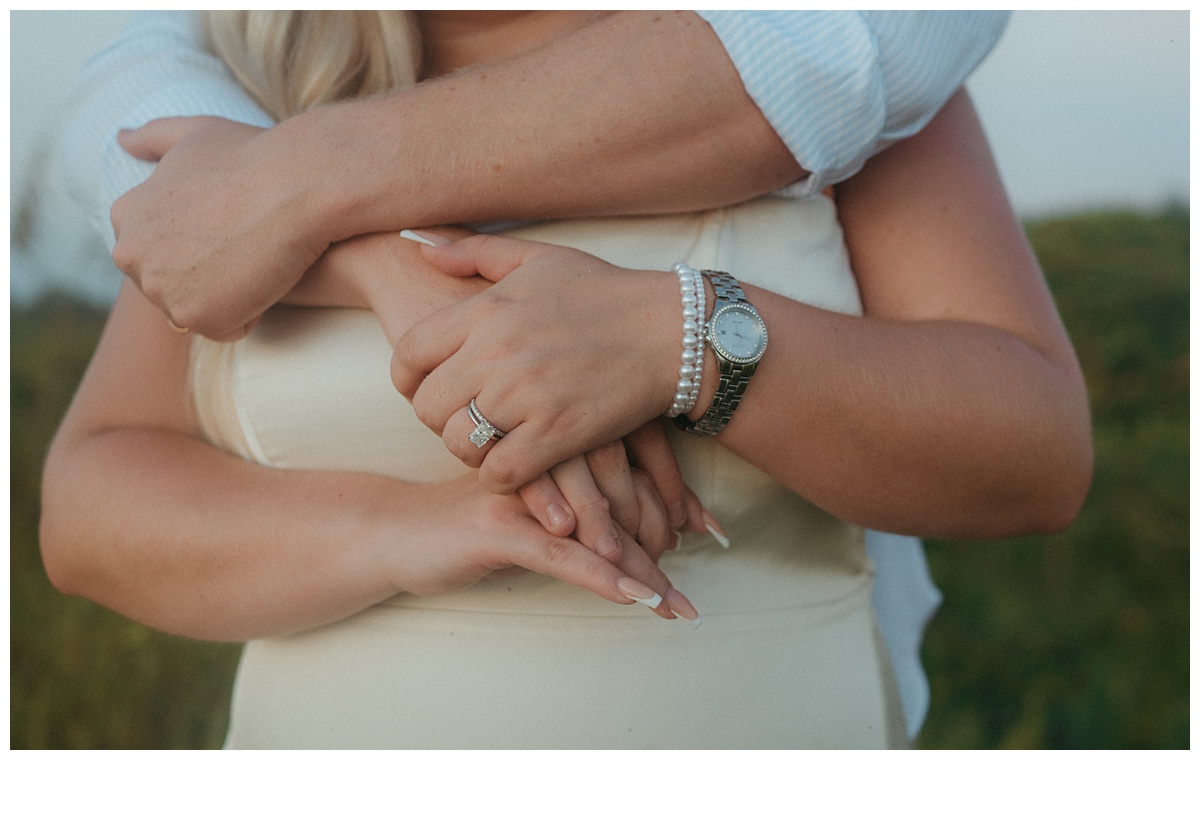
[484, 431]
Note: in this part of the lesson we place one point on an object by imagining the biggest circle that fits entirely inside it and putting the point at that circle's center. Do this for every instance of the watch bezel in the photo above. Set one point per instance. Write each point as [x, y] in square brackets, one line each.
[720, 349]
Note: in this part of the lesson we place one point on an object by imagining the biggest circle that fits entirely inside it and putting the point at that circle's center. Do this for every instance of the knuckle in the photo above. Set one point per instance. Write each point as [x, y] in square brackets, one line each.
[539, 493]
[488, 306]
[593, 507]
[608, 458]
[501, 474]
[402, 379]
[124, 259]
[559, 554]
[426, 413]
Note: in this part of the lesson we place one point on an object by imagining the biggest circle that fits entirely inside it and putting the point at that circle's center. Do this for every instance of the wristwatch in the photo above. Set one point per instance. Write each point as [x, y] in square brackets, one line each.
[738, 337]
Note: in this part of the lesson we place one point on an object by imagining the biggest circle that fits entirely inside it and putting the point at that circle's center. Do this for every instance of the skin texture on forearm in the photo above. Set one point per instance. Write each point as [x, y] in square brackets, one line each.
[384, 273]
[978, 434]
[955, 407]
[140, 514]
[132, 500]
[121, 529]
[597, 121]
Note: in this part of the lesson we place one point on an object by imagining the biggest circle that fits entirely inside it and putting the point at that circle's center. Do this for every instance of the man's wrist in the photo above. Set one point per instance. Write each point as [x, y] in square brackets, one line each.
[320, 161]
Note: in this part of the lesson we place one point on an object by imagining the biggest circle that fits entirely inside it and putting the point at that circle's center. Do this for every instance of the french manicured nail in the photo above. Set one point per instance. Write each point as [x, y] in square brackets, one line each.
[639, 592]
[426, 237]
[557, 515]
[678, 540]
[714, 528]
[608, 547]
[682, 607]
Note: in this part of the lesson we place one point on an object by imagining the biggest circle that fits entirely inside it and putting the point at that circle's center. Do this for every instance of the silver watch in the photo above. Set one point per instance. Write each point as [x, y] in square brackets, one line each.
[738, 337]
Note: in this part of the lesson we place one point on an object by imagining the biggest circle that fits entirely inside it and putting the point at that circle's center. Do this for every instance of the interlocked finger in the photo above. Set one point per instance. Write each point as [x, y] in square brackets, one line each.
[655, 533]
[614, 480]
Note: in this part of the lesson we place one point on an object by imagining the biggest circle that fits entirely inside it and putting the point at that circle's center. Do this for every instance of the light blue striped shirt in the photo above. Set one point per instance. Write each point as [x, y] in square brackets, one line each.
[839, 86]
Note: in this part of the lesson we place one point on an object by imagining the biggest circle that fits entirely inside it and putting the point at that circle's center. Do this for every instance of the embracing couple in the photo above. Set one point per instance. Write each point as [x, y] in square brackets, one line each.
[529, 379]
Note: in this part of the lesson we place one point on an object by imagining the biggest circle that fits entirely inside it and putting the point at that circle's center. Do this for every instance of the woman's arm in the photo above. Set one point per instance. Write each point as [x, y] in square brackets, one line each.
[956, 407]
[385, 272]
[142, 516]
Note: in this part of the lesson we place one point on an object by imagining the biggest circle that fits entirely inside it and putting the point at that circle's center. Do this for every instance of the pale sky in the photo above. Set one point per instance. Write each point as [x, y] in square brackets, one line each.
[1084, 109]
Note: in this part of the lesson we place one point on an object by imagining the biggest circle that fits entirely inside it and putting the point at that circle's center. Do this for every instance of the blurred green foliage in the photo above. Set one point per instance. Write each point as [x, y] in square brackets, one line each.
[82, 676]
[1080, 639]
[1076, 640]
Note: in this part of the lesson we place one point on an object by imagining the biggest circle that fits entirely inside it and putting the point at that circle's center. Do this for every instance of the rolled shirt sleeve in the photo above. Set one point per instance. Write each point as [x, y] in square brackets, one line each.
[156, 68]
[839, 86]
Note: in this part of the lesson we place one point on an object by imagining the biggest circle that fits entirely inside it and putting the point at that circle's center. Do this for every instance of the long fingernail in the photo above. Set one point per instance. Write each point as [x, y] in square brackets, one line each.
[682, 607]
[557, 515]
[608, 547]
[639, 592]
[714, 528]
[426, 237]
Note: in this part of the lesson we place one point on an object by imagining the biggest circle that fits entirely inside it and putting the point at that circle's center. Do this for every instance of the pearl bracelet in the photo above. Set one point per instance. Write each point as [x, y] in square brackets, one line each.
[691, 360]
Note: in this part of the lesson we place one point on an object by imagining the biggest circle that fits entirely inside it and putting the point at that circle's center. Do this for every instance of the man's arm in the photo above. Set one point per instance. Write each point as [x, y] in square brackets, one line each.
[156, 68]
[638, 112]
[840, 86]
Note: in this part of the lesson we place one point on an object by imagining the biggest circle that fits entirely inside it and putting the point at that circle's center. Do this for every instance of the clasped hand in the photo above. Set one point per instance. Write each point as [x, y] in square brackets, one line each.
[564, 353]
[623, 501]
[213, 237]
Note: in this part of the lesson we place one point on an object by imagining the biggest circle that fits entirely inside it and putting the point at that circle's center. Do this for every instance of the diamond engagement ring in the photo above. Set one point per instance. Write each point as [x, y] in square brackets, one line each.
[484, 431]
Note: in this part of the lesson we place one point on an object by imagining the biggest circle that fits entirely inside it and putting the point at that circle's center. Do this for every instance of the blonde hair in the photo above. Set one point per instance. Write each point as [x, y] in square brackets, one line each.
[291, 61]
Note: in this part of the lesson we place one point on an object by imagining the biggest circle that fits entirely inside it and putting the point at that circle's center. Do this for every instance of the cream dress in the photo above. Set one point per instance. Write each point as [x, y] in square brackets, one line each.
[788, 655]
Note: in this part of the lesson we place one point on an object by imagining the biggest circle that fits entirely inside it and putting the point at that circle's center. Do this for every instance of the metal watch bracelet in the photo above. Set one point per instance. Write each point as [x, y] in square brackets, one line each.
[734, 371]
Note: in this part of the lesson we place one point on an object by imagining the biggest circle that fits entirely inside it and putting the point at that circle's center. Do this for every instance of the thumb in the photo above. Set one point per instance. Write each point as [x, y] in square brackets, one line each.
[155, 138]
[491, 257]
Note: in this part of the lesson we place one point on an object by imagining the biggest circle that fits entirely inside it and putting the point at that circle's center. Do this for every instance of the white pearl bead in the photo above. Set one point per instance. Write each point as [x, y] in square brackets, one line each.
[690, 325]
[690, 341]
[688, 357]
[690, 313]
[686, 372]
[685, 385]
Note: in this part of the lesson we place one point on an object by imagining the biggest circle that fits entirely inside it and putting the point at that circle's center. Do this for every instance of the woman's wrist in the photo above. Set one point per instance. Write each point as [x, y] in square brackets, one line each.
[705, 363]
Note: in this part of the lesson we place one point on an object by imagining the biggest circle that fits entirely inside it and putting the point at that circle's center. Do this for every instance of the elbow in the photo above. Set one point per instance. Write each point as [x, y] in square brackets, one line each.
[1067, 494]
[1053, 492]
[64, 544]
[58, 559]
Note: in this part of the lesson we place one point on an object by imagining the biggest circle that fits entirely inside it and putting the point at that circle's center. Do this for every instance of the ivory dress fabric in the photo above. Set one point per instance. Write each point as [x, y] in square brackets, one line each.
[788, 655]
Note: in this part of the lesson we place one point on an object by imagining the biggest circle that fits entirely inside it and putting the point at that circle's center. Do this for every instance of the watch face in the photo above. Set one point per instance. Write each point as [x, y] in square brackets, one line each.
[737, 333]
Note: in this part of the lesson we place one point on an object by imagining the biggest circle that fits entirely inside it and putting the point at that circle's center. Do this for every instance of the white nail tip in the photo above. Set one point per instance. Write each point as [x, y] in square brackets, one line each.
[718, 536]
[678, 540]
[649, 602]
[415, 237]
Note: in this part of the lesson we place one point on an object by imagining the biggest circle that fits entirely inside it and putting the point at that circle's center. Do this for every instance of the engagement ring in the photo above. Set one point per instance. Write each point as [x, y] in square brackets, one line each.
[484, 431]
